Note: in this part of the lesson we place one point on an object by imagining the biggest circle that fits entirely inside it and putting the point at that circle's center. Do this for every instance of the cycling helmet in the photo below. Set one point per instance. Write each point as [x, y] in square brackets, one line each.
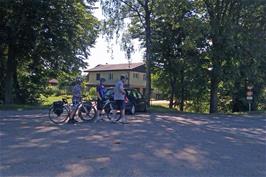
[102, 80]
[122, 77]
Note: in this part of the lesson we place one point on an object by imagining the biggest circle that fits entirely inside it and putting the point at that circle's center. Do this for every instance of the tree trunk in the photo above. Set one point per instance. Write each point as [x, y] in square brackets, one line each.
[182, 99]
[19, 98]
[214, 90]
[235, 97]
[2, 70]
[148, 51]
[173, 91]
[9, 82]
[257, 88]
[171, 100]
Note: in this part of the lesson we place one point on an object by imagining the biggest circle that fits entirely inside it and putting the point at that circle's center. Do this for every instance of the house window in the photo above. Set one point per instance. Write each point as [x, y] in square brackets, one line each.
[144, 77]
[135, 75]
[111, 76]
[98, 76]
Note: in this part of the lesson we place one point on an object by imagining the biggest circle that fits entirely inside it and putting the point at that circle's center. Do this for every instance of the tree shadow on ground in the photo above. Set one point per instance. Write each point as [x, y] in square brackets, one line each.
[155, 144]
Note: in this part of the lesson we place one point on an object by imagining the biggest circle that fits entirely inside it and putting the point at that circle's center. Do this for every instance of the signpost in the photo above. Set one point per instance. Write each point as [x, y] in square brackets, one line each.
[249, 95]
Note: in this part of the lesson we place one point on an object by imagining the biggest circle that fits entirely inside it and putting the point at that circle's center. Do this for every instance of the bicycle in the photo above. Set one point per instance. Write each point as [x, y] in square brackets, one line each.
[60, 111]
[109, 108]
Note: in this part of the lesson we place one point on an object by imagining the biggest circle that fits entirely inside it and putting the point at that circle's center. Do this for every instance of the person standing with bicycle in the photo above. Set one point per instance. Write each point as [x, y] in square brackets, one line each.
[76, 99]
[100, 91]
[119, 97]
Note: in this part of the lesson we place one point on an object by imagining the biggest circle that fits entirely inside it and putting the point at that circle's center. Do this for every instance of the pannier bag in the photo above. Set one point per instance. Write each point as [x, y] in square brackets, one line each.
[58, 107]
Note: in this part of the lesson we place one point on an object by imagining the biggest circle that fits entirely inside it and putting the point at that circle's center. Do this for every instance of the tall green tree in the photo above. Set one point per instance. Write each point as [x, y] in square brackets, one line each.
[40, 39]
[168, 36]
[178, 44]
[139, 12]
[221, 16]
[248, 56]
[226, 48]
[232, 37]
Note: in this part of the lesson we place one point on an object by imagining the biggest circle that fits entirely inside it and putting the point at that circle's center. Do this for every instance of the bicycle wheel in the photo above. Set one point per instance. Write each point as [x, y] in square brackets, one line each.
[58, 116]
[87, 113]
[111, 113]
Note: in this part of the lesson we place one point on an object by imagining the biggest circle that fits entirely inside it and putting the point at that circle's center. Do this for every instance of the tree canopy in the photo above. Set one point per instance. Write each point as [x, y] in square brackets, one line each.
[205, 52]
[202, 54]
[41, 40]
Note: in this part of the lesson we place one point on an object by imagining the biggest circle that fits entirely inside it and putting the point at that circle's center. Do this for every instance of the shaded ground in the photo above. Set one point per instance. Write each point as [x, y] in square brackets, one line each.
[150, 145]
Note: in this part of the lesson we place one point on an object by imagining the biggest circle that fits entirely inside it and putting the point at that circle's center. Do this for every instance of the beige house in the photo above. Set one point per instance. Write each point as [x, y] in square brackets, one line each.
[134, 72]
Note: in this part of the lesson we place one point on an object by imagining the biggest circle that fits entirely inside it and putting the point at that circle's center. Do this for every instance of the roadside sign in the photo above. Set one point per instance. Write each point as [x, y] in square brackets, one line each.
[249, 98]
[249, 93]
[250, 87]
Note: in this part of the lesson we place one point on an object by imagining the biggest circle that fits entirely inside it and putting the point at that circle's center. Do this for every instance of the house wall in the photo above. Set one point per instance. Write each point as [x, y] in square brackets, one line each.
[109, 80]
[135, 79]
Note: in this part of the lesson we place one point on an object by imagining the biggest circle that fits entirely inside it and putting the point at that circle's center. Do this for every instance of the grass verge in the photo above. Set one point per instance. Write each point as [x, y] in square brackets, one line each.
[161, 109]
[46, 102]
[20, 107]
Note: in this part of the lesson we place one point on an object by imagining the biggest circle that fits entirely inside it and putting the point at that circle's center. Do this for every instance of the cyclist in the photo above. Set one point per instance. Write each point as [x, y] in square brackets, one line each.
[119, 97]
[76, 98]
[100, 91]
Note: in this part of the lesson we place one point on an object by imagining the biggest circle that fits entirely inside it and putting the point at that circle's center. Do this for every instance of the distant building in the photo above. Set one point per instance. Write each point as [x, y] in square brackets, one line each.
[53, 82]
[134, 72]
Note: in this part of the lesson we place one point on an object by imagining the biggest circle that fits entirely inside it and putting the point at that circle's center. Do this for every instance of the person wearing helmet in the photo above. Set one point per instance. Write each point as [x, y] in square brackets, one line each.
[100, 91]
[76, 98]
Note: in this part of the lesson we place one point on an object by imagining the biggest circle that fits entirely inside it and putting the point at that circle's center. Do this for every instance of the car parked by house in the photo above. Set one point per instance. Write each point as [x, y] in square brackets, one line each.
[136, 101]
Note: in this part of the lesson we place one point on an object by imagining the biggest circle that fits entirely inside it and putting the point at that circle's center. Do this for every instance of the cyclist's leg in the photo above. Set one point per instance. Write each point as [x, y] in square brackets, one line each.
[119, 106]
[73, 111]
[99, 110]
[122, 112]
[110, 110]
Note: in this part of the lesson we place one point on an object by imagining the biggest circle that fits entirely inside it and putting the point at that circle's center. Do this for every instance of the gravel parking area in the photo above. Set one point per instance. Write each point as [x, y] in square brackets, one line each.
[152, 144]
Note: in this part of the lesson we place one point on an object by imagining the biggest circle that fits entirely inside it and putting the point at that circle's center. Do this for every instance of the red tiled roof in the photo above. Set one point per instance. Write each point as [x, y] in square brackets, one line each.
[115, 67]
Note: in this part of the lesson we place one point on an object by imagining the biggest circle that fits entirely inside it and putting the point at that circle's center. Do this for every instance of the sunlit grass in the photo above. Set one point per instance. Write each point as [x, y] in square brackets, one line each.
[161, 108]
[44, 103]
[47, 101]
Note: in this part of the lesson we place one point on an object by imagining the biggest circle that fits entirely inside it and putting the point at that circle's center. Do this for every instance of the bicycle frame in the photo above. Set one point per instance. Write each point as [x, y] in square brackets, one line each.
[72, 111]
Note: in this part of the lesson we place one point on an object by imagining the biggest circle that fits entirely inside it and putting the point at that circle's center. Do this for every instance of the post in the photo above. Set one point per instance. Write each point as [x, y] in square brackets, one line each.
[249, 96]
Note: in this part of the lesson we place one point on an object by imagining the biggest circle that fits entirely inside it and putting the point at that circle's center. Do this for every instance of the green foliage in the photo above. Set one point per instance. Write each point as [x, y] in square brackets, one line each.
[42, 40]
[176, 40]
[125, 13]
[48, 100]
[91, 94]
[215, 48]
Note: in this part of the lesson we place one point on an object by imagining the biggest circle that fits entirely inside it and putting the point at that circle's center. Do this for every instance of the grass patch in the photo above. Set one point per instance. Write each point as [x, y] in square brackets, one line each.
[161, 109]
[47, 101]
[20, 107]
[161, 106]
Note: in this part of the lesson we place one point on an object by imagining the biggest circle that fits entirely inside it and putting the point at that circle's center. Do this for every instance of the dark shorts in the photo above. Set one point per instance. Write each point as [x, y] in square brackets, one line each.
[120, 104]
[75, 102]
[99, 104]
